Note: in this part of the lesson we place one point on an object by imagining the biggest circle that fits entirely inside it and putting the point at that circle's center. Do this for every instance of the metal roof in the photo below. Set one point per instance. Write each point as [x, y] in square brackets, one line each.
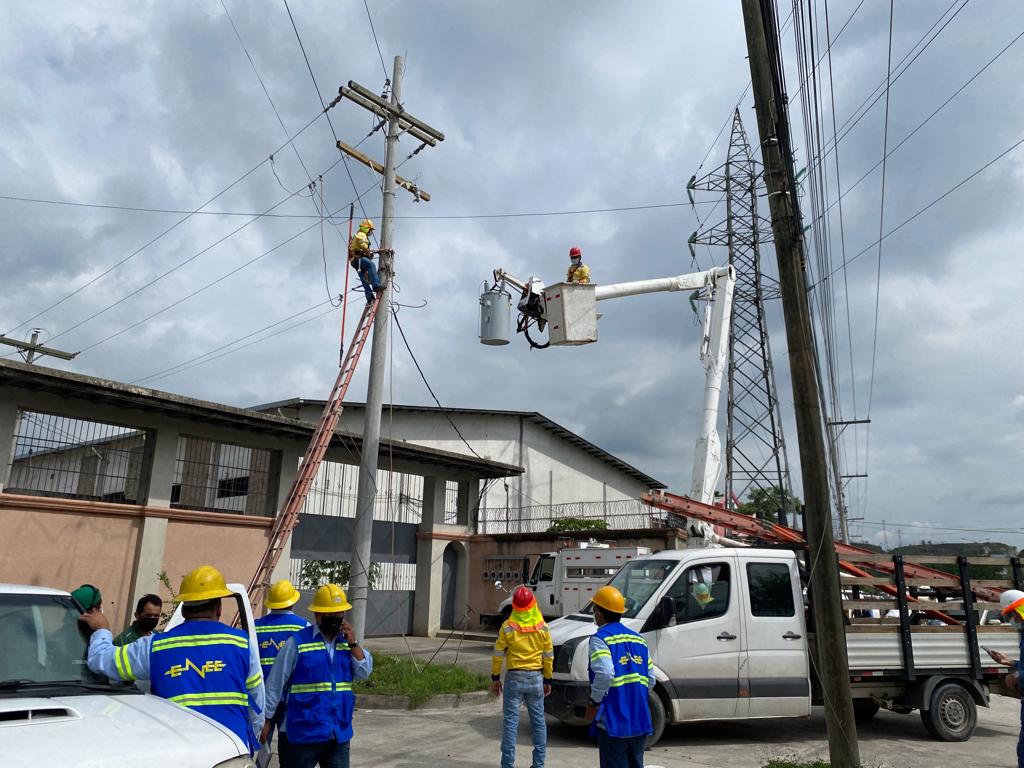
[117, 394]
[532, 416]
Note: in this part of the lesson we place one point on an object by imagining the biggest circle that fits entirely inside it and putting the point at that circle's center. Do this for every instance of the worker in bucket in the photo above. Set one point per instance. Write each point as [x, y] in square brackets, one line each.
[578, 271]
[621, 675]
[272, 631]
[524, 646]
[178, 663]
[1012, 604]
[316, 668]
[361, 258]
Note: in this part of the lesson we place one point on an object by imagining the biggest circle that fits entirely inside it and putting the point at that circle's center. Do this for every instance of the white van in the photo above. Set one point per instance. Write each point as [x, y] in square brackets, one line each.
[54, 711]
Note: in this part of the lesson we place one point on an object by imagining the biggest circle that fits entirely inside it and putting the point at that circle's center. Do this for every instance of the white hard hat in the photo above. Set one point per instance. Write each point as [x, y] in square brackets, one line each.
[1012, 600]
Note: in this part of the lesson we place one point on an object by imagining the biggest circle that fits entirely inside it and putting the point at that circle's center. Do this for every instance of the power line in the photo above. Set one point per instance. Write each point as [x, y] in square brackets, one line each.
[369, 18]
[508, 215]
[193, 362]
[277, 114]
[167, 231]
[881, 230]
[298, 37]
[178, 266]
[930, 205]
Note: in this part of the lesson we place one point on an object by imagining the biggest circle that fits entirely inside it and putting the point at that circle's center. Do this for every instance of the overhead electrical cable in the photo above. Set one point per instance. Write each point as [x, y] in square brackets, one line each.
[137, 251]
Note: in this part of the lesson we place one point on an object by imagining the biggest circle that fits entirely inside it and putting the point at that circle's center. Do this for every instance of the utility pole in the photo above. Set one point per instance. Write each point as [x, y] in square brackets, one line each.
[826, 596]
[32, 349]
[398, 121]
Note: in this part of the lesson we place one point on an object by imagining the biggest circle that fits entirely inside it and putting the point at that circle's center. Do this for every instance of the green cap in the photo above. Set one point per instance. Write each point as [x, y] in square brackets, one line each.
[87, 596]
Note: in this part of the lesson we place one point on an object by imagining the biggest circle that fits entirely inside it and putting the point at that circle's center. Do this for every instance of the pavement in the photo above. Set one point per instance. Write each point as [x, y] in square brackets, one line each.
[469, 737]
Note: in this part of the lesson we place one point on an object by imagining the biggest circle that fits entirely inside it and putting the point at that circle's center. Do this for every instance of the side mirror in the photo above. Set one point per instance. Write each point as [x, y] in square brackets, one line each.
[666, 611]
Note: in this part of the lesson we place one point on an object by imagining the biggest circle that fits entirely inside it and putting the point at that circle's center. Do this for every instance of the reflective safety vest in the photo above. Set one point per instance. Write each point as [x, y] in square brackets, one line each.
[272, 631]
[624, 711]
[580, 274]
[320, 699]
[204, 665]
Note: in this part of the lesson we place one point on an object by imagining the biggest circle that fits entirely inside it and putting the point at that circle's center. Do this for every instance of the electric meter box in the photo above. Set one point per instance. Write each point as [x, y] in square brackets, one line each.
[571, 311]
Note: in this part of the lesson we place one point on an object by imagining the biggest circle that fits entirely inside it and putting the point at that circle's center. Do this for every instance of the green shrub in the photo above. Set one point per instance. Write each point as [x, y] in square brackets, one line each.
[576, 525]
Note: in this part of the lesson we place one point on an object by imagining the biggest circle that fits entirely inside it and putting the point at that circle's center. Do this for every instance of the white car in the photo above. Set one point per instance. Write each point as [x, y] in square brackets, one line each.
[54, 711]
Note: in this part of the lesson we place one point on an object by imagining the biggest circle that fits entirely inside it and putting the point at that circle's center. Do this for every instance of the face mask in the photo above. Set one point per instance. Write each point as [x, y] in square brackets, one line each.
[148, 623]
[330, 623]
[576, 262]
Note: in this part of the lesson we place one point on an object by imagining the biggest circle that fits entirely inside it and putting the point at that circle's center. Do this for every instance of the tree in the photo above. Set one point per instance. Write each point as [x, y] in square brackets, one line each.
[316, 573]
[765, 503]
[576, 525]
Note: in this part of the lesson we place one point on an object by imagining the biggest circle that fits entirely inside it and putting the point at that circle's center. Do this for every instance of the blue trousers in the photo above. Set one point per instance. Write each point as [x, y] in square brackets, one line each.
[326, 754]
[367, 275]
[523, 686]
[620, 752]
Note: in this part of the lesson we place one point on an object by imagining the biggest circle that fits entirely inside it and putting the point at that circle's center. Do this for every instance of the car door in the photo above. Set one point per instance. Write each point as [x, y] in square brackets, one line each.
[700, 650]
[775, 670]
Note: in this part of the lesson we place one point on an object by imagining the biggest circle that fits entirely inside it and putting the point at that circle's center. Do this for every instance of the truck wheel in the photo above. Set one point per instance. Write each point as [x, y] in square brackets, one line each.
[506, 613]
[952, 715]
[864, 710]
[658, 717]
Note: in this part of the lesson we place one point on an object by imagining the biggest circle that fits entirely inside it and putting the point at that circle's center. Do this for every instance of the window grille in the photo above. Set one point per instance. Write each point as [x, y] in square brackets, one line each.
[76, 458]
[223, 477]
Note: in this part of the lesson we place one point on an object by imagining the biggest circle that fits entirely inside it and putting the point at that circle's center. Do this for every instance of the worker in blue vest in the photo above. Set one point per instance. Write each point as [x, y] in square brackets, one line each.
[316, 668]
[201, 664]
[272, 631]
[620, 678]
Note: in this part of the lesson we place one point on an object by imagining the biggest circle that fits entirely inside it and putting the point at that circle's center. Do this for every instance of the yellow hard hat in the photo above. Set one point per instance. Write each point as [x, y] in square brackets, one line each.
[368, 223]
[609, 598]
[204, 583]
[330, 598]
[282, 594]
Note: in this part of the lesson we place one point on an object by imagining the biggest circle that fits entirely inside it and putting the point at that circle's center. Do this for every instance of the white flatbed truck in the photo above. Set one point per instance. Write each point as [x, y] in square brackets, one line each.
[748, 653]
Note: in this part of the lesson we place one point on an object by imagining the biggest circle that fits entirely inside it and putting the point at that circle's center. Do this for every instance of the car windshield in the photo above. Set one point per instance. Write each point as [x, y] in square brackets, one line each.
[638, 580]
[43, 645]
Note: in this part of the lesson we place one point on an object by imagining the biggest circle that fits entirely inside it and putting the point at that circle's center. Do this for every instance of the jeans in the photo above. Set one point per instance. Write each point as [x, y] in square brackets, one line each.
[620, 752]
[365, 269]
[326, 754]
[523, 686]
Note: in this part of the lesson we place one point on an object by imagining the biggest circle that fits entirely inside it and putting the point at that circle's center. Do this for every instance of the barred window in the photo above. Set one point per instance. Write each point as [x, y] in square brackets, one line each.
[223, 477]
[74, 458]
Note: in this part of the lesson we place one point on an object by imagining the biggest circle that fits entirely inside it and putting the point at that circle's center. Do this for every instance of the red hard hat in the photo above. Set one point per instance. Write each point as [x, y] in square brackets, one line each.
[574, 252]
[522, 598]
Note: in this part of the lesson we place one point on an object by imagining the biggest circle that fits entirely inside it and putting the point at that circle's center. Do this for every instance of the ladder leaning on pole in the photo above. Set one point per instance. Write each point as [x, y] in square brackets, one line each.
[289, 515]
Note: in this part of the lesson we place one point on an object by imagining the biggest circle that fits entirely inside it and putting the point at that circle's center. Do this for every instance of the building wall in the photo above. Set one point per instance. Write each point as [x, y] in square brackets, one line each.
[556, 471]
[63, 543]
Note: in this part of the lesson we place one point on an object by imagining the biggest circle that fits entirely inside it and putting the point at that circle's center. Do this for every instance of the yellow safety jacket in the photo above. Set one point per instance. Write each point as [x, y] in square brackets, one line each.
[524, 642]
[359, 246]
[580, 274]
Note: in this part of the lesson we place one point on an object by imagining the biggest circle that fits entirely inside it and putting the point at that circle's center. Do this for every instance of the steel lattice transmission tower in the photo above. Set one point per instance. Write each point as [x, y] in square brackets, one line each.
[755, 448]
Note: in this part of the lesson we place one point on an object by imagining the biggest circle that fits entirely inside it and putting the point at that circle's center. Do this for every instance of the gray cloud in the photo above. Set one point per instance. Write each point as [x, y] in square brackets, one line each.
[545, 107]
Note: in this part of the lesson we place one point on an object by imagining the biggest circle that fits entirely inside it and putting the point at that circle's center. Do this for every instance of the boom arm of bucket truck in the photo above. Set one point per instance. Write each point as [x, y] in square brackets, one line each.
[569, 308]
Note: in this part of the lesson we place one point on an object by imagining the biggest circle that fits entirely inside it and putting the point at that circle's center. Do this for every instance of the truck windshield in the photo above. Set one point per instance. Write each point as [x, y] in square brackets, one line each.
[43, 646]
[638, 580]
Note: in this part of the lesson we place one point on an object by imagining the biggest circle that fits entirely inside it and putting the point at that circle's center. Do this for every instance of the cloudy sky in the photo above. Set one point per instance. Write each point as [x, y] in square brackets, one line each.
[546, 107]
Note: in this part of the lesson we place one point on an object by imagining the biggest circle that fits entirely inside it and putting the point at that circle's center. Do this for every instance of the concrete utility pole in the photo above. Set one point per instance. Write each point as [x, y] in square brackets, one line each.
[398, 121]
[773, 127]
[31, 349]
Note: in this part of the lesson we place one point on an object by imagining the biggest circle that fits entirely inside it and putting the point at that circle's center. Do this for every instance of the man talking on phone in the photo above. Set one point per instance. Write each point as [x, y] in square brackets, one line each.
[315, 669]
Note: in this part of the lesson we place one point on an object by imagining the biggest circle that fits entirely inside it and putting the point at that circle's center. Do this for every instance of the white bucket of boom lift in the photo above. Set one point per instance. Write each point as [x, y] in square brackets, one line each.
[571, 310]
